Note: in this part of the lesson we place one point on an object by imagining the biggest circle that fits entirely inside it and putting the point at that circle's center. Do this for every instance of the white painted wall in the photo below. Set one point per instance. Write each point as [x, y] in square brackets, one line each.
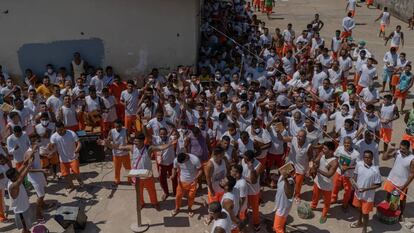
[137, 34]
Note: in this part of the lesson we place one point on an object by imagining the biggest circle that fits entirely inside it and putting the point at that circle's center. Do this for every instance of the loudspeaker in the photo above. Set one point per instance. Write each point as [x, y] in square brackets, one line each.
[90, 151]
[68, 215]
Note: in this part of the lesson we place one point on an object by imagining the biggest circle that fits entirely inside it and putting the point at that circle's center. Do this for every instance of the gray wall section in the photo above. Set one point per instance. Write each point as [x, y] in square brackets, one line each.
[59, 54]
[402, 9]
[136, 35]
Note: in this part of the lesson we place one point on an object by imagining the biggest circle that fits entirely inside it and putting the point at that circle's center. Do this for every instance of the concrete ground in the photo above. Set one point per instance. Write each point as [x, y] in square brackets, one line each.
[113, 210]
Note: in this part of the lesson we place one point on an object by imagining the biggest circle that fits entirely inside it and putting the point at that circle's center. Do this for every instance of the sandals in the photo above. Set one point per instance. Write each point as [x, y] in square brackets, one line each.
[174, 213]
[207, 221]
[355, 225]
[322, 220]
[190, 213]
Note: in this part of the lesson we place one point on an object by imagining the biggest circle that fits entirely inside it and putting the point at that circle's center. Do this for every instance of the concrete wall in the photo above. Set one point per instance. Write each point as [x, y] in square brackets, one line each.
[131, 35]
[402, 9]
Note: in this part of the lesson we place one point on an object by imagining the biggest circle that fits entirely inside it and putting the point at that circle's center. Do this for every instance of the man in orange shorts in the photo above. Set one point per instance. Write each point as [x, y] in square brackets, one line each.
[17, 144]
[348, 24]
[284, 199]
[401, 174]
[368, 178]
[405, 83]
[389, 113]
[67, 144]
[188, 169]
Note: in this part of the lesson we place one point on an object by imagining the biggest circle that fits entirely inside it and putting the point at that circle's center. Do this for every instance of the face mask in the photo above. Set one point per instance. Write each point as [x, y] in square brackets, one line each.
[257, 131]
[227, 75]
[349, 91]
[218, 76]
[344, 112]
[272, 54]
[49, 71]
[44, 123]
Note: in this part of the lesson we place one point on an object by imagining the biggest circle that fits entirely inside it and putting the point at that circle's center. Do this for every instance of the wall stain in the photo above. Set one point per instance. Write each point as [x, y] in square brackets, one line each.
[59, 53]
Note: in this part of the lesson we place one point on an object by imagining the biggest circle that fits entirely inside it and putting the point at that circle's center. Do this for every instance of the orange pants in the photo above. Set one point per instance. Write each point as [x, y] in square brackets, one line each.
[67, 168]
[353, 13]
[120, 111]
[298, 184]
[242, 215]
[182, 188]
[2, 206]
[386, 134]
[216, 197]
[129, 122]
[395, 80]
[339, 181]
[253, 202]
[365, 206]
[279, 224]
[120, 161]
[346, 34]
[326, 199]
[382, 27]
[149, 184]
[53, 160]
[390, 187]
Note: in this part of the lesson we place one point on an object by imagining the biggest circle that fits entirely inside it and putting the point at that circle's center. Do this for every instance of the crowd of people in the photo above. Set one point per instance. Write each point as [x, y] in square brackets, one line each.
[255, 101]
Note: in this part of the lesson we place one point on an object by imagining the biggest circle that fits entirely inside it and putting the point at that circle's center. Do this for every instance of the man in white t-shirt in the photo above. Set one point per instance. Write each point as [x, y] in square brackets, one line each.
[367, 75]
[129, 98]
[17, 145]
[68, 146]
[368, 178]
[98, 81]
[188, 167]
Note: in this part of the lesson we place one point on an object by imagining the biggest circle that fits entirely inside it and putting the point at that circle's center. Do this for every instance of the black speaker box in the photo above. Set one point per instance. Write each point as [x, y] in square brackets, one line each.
[90, 151]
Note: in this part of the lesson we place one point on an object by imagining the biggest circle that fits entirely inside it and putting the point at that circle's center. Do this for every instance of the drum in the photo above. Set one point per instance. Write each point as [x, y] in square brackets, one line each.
[387, 216]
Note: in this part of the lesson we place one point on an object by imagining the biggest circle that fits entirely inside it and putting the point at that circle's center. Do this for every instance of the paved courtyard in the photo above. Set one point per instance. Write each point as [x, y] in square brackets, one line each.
[113, 210]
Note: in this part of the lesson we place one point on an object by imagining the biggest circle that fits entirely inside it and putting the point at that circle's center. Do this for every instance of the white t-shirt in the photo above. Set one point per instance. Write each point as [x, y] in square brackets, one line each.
[65, 145]
[98, 83]
[346, 156]
[188, 169]
[69, 116]
[92, 104]
[119, 138]
[131, 102]
[23, 144]
[367, 76]
[54, 103]
[317, 80]
[367, 177]
[277, 146]
[362, 146]
[167, 155]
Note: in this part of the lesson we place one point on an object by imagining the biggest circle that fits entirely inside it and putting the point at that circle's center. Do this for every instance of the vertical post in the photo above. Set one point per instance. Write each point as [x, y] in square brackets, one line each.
[138, 200]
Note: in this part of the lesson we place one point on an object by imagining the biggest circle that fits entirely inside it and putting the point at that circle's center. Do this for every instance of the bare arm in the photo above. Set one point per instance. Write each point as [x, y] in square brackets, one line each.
[389, 154]
[209, 174]
[410, 177]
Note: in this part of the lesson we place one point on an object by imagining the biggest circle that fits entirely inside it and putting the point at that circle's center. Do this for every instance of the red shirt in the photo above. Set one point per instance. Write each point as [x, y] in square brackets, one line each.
[116, 89]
